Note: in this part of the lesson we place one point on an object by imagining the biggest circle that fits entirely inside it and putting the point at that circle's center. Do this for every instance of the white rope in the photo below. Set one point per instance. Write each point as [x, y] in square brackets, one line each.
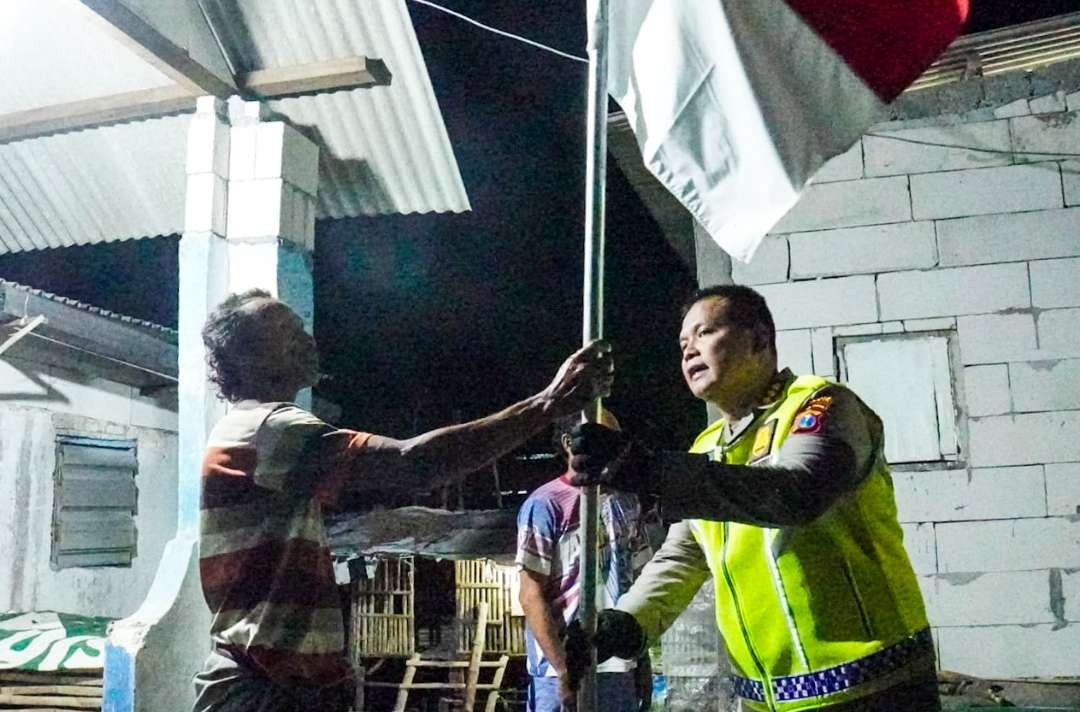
[503, 33]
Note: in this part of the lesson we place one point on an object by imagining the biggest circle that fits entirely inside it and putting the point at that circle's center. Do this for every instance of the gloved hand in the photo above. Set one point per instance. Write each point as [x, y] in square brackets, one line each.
[617, 634]
[600, 455]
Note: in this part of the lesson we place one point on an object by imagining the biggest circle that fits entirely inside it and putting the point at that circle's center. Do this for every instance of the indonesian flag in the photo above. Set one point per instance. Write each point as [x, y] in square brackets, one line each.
[737, 103]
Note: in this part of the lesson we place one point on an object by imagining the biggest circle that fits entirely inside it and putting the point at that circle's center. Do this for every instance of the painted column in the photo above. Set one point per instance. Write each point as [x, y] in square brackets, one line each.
[273, 182]
[152, 654]
[249, 222]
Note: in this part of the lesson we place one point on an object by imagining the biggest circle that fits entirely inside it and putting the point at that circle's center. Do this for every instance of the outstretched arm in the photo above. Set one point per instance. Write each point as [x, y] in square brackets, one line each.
[817, 463]
[445, 454]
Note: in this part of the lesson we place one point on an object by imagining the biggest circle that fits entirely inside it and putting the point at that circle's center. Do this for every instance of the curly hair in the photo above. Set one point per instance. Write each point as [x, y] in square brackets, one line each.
[231, 337]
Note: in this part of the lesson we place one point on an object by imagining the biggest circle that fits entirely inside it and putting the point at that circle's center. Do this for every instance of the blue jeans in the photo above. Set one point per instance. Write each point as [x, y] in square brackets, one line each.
[615, 692]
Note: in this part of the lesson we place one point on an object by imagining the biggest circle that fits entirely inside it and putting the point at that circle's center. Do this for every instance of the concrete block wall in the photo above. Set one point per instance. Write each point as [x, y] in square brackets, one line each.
[38, 401]
[895, 236]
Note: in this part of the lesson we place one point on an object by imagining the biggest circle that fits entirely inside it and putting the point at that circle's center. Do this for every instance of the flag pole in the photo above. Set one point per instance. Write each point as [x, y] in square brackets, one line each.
[593, 312]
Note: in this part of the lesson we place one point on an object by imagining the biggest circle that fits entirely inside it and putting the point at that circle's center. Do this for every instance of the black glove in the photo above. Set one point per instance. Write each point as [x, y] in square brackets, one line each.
[600, 455]
[618, 634]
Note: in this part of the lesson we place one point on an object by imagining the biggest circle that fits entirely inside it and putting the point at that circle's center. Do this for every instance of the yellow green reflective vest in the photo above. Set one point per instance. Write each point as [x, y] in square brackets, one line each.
[806, 611]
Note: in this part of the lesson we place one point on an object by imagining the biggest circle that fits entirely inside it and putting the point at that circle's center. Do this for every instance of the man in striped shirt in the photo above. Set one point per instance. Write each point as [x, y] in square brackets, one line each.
[270, 468]
[548, 551]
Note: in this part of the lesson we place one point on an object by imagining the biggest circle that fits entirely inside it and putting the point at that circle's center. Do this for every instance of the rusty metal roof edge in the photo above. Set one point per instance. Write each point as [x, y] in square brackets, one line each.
[163, 332]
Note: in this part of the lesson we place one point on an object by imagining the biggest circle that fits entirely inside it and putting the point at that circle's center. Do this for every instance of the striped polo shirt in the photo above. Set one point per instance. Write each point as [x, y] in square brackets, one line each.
[549, 543]
[264, 560]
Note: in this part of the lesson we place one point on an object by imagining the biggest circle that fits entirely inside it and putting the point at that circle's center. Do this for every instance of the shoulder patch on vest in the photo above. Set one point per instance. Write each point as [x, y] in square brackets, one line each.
[763, 440]
[810, 417]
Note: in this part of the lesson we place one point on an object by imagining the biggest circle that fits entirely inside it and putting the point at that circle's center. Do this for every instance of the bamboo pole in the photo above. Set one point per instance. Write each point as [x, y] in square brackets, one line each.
[473, 678]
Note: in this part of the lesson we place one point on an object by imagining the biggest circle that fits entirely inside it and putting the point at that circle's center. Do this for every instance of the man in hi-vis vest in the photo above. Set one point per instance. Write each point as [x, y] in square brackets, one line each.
[787, 503]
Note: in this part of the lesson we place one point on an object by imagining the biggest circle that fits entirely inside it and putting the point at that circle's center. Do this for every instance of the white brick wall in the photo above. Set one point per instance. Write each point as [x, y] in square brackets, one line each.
[1070, 178]
[797, 305]
[921, 544]
[770, 263]
[993, 338]
[945, 292]
[1010, 651]
[1006, 189]
[1003, 598]
[824, 352]
[863, 250]
[1054, 283]
[954, 495]
[1045, 134]
[1070, 581]
[1045, 385]
[1024, 439]
[793, 350]
[987, 389]
[846, 166]
[1008, 545]
[894, 238]
[1009, 238]
[1059, 330]
[888, 157]
[848, 204]
[941, 323]
[1063, 492]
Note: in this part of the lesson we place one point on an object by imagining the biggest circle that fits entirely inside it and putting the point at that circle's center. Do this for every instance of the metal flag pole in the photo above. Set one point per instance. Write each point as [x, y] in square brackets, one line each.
[593, 312]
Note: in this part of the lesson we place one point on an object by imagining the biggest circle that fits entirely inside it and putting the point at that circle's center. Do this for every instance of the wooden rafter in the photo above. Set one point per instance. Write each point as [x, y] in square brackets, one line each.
[128, 106]
[331, 75]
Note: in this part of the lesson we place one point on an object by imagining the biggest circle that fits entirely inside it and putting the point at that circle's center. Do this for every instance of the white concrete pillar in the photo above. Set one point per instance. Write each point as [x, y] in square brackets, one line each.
[273, 183]
[249, 222]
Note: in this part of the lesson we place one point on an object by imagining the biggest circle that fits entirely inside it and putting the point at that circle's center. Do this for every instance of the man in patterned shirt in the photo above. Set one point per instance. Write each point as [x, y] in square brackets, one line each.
[549, 544]
[270, 467]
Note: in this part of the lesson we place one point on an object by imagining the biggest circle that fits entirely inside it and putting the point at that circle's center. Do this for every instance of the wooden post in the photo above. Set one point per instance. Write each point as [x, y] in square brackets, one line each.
[474, 659]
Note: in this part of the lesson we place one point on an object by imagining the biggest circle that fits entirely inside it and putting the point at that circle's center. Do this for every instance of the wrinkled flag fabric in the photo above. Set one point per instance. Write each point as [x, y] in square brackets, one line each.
[737, 103]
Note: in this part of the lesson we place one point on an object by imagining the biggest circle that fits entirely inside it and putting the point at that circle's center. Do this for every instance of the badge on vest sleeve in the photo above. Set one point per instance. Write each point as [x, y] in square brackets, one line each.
[763, 440]
[811, 416]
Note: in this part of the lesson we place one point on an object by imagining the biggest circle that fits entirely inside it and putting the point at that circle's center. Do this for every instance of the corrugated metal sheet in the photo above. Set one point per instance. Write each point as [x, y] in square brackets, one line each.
[50, 54]
[13, 290]
[98, 185]
[1010, 49]
[383, 149]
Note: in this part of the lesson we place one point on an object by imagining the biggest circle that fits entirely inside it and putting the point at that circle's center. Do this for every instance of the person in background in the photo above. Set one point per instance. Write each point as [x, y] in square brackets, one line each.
[549, 544]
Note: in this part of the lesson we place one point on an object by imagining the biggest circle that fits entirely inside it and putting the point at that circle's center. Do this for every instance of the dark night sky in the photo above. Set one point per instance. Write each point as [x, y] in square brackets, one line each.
[447, 313]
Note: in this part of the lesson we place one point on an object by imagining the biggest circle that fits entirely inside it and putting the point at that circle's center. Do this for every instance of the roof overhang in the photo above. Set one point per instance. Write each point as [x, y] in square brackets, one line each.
[102, 78]
[132, 351]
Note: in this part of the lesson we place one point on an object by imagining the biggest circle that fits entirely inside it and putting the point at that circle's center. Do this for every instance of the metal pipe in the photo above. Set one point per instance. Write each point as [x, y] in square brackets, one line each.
[593, 311]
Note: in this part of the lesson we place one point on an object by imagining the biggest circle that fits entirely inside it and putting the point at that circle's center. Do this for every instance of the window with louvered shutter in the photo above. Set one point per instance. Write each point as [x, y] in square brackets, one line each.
[94, 503]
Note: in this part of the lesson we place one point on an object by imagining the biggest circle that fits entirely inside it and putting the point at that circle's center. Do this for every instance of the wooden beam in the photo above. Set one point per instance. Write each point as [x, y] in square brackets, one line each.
[130, 29]
[331, 75]
[276, 82]
[128, 106]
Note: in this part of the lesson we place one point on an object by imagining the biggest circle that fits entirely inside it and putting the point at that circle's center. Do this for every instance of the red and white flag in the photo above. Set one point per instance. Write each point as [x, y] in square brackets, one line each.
[737, 103]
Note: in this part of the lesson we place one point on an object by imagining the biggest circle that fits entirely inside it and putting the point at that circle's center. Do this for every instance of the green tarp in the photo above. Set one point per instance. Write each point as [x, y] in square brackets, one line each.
[51, 641]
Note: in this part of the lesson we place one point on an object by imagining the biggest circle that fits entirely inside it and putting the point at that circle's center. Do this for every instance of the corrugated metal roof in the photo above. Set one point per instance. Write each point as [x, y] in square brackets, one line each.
[384, 149]
[97, 185]
[12, 290]
[1009, 49]
[51, 54]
